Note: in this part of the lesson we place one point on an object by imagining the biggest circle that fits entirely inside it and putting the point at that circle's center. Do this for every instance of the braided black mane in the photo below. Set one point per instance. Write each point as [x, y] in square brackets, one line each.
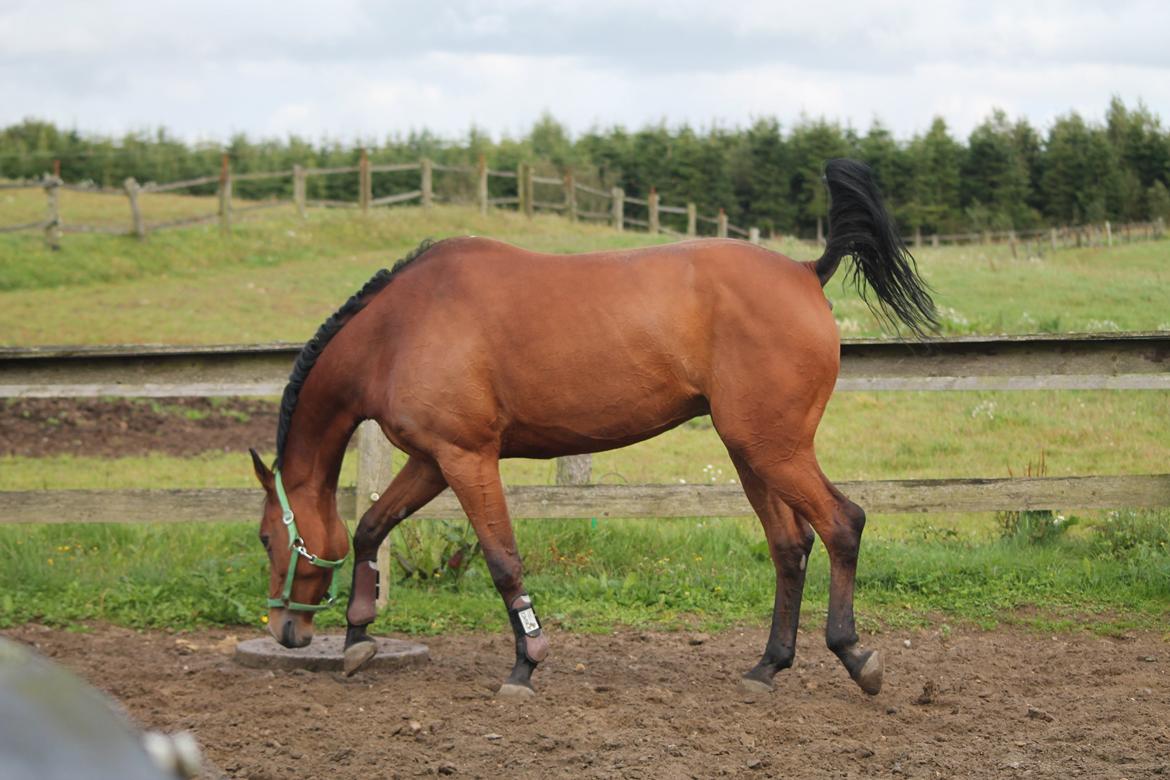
[316, 345]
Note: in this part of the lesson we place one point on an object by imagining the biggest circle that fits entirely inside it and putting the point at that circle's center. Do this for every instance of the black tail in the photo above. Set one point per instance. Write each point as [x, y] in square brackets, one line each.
[860, 226]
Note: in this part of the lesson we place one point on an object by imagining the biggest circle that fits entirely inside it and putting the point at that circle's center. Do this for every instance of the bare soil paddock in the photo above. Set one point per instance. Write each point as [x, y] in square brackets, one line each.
[1007, 703]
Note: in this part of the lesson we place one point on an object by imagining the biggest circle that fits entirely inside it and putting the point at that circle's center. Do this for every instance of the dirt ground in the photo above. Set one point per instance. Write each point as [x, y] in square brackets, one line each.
[1007, 704]
[119, 427]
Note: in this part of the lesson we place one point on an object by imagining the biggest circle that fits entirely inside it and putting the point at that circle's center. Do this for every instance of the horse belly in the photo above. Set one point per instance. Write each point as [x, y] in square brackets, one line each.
[594, 404]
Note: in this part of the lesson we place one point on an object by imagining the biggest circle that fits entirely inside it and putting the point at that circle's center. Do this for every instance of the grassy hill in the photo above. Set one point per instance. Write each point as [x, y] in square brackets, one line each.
[275, 277]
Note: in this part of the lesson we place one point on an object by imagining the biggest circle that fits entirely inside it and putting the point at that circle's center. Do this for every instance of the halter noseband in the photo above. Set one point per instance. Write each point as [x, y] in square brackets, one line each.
[296, 546]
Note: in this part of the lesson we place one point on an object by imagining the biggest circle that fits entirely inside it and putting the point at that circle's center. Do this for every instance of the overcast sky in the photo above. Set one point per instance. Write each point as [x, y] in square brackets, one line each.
[347, 69]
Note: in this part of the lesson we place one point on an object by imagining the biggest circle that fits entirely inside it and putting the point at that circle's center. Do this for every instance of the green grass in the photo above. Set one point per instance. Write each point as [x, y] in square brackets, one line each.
[666, 574]
[276, 278]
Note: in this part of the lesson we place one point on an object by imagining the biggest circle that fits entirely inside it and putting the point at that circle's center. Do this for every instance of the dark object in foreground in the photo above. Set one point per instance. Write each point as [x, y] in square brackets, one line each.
[56, 726]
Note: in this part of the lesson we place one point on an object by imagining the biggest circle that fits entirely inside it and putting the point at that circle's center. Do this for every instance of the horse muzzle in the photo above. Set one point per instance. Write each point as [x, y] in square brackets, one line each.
[290, 629]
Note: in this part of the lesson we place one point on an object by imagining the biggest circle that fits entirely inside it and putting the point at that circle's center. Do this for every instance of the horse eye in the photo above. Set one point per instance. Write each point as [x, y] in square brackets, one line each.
[264, 540]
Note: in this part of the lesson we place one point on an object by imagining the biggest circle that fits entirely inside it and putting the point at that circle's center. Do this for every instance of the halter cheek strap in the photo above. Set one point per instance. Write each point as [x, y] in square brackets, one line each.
[296, 546]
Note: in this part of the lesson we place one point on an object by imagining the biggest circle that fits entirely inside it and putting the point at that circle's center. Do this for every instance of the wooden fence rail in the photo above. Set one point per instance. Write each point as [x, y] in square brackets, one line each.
[602, 501]
[1099, 361]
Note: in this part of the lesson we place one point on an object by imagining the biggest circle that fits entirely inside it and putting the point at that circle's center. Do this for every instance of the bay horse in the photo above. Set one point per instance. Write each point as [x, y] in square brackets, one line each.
[470, 350]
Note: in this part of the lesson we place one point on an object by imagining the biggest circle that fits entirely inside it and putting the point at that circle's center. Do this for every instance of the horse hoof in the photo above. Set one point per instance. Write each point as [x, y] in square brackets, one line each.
[752, 685]
[513, 692]
[356, 656]
[870, 676]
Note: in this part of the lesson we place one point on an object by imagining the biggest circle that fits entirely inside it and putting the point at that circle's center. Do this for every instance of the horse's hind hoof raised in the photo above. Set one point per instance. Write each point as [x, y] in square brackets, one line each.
[752, 685]
[356, 656]
[513, 692]
[870, 676]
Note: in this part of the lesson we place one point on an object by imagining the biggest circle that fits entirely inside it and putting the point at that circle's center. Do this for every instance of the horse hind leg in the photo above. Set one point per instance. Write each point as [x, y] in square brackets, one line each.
[839, 523]
[790, 540]
[410, 490]
[475, 480]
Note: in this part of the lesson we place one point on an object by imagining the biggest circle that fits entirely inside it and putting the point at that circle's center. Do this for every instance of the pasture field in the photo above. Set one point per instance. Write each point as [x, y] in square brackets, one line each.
[277, 278]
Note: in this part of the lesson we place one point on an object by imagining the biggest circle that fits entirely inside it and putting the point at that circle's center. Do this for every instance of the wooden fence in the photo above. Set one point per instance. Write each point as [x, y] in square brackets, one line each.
[1107, 361]
[563, 195]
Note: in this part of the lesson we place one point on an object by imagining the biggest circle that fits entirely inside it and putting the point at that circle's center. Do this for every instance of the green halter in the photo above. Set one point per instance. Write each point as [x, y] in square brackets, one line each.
[296, 546]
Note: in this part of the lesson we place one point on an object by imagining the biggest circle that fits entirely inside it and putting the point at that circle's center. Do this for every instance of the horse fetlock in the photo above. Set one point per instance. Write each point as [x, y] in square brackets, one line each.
[842, 642]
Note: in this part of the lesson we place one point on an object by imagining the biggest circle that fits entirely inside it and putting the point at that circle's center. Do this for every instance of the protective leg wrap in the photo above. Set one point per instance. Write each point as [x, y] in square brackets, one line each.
[362, 602]
[530, 639]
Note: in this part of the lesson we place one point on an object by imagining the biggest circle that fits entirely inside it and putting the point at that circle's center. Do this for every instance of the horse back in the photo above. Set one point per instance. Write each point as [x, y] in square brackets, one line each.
[542, 354]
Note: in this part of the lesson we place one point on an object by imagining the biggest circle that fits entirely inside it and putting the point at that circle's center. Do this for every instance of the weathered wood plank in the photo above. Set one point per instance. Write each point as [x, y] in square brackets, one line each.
[400, 197]
[562, 502]
[1139, 361]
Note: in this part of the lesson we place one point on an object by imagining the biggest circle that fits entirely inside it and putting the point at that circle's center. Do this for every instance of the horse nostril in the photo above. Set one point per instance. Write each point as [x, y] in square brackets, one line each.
[288, 636]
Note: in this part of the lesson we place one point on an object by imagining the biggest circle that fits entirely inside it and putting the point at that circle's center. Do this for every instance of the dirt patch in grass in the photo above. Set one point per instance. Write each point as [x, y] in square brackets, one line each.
[633, 704]
[38, 427]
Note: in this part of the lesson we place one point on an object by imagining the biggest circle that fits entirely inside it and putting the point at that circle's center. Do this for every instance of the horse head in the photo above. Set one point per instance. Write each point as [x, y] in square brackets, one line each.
[304, 547]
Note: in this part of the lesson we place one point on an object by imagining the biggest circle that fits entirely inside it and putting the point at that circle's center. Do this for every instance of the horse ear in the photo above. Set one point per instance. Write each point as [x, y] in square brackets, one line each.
[263, 473]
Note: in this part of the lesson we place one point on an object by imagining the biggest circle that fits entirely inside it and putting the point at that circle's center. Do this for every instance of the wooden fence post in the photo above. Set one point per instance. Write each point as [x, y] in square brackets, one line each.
[574, 469]
[820, 230]
[375, 468]
[520, 188]
[225, 195]
[426, 185]
[529, 190]
[53, 215]
[652, 211]
[1052, 236]
[692, 219]
[365, 183]
[482, 188]
[1012, 241]
[721, 223]
[754, 235]
[934, 240]
[571, 196]
[918, 236]
[619, 208]
[1108, 234]
[137, 226]
[299, 189]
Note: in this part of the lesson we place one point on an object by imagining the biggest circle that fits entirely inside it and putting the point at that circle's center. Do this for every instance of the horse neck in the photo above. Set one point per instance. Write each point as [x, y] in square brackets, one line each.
[318, 433]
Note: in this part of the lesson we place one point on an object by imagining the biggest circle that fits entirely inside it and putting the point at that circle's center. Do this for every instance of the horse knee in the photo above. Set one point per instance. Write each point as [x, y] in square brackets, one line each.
[365, 542]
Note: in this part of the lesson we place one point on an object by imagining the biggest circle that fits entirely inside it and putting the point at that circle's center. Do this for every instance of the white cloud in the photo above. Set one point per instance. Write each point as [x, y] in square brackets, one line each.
[364, 69]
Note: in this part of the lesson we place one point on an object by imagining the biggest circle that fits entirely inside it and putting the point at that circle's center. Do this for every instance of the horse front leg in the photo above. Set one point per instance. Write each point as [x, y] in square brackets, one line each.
[410, 490]
[790, 540]
[475, 479]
